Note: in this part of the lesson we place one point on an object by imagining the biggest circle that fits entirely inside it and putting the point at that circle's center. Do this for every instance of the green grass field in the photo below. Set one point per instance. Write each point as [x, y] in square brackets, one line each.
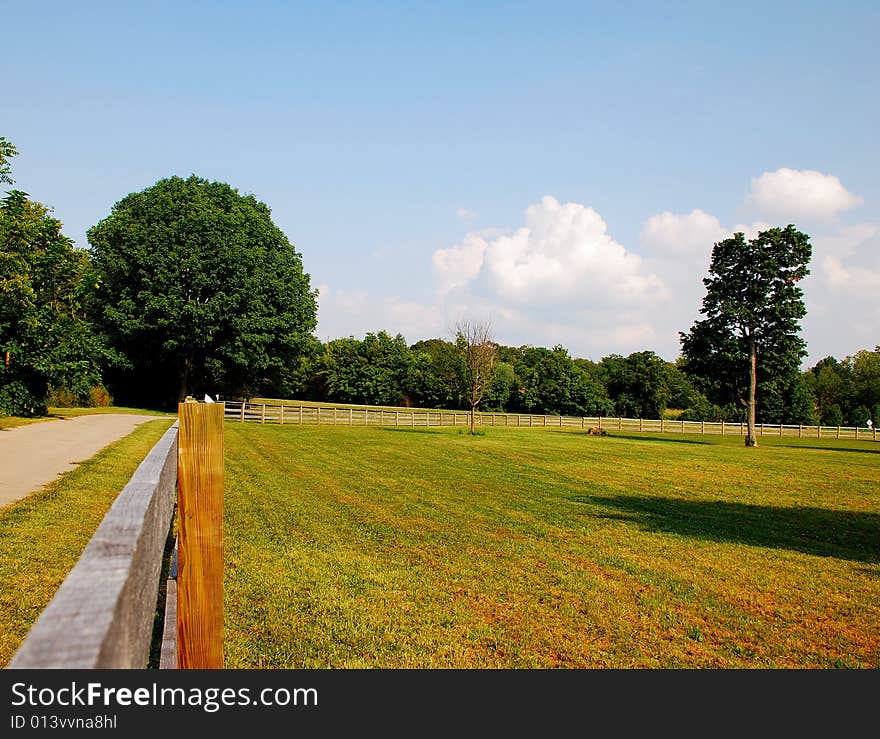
[42, 536]
[353, 547]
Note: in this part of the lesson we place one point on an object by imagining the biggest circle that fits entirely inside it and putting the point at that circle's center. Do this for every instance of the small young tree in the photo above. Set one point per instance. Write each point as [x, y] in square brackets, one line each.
[474, 342]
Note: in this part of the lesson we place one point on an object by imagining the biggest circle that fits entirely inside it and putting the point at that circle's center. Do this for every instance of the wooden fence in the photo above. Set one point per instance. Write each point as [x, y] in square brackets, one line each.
[342, 415]
[102, 616]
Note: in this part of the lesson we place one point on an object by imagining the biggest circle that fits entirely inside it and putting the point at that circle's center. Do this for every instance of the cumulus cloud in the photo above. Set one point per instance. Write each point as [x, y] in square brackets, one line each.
[801, 194]
[848, 262]
[692, 233]
[563, 251]
[459, 264]
[850, 279]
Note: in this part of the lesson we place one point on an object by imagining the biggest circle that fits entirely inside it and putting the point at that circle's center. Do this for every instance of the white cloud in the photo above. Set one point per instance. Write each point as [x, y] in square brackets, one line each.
[801, 194]
[850, 279]
[690, 234]
[459, 264]
[846, 242]
[562, 252]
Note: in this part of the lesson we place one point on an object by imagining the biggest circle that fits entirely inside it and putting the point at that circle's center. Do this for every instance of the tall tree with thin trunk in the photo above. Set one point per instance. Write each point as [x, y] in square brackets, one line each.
[477, 349]
[752, 310]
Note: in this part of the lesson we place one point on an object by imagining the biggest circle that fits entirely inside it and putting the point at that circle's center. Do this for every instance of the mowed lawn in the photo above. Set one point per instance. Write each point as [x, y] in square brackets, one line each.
[386, 548]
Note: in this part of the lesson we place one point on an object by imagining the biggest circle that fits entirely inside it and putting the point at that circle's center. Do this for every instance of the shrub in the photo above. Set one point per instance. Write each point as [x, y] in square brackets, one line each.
[833, 416]
[16, 399]
[61, 397]
[99, 397]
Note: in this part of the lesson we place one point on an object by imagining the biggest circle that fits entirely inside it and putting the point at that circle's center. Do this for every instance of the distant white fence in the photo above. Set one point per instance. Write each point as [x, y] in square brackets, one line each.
[345, 415]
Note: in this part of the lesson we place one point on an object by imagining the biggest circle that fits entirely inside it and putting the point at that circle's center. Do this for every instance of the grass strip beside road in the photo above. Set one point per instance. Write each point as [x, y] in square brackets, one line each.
[42, 536]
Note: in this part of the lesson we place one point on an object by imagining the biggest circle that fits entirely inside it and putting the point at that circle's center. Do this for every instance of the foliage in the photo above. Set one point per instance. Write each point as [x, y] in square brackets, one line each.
[45, 338]
[371, 372]
[752, 309]
[550, 382]
[848, 389]
[7, 151]
[200, 290]
[437, 375]
[638, 383]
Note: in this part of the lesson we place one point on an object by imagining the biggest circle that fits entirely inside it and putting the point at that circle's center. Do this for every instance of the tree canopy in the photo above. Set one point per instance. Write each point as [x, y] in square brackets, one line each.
[45, 338]
[200, 290]
[7, 151]
[752, 309]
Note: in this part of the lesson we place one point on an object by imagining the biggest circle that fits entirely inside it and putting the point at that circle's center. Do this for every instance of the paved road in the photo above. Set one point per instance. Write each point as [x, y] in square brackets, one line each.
[31, 456]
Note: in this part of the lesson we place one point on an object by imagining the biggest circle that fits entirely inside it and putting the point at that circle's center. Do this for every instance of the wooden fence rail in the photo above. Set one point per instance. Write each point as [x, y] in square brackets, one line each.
[312, 415]
[102, 615]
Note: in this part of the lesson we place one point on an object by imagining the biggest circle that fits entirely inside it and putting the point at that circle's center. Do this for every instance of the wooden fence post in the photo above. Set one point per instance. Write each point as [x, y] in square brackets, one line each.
[200, 536]
[243, 404]
[282, 413]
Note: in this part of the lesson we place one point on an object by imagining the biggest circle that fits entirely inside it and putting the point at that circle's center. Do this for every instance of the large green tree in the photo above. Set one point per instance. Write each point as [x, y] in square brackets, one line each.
[637, 384]
[371, 372]
[200, 290]
[45, 337]
[752, 308]
[436, 376]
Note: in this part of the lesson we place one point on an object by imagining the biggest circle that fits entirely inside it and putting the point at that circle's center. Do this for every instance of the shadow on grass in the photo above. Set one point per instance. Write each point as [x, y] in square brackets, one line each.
[831, 449]
[659, 440]
[820, 532]
[412, 429]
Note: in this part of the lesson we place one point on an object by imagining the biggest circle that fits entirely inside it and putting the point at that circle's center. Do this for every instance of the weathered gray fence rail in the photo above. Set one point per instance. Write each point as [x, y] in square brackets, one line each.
[311, 415]
[102, 615]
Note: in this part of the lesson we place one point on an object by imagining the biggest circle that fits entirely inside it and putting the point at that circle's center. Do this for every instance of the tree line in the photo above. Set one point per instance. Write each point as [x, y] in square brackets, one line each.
[381, 369]
[189, 287]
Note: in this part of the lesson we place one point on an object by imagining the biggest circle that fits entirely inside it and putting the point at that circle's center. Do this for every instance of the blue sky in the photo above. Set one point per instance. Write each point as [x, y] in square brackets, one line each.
[561, 170]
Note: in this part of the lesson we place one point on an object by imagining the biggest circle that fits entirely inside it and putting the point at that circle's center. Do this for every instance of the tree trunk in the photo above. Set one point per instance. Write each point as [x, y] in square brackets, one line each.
[473, 428]
[751, 438]
[183, 388]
